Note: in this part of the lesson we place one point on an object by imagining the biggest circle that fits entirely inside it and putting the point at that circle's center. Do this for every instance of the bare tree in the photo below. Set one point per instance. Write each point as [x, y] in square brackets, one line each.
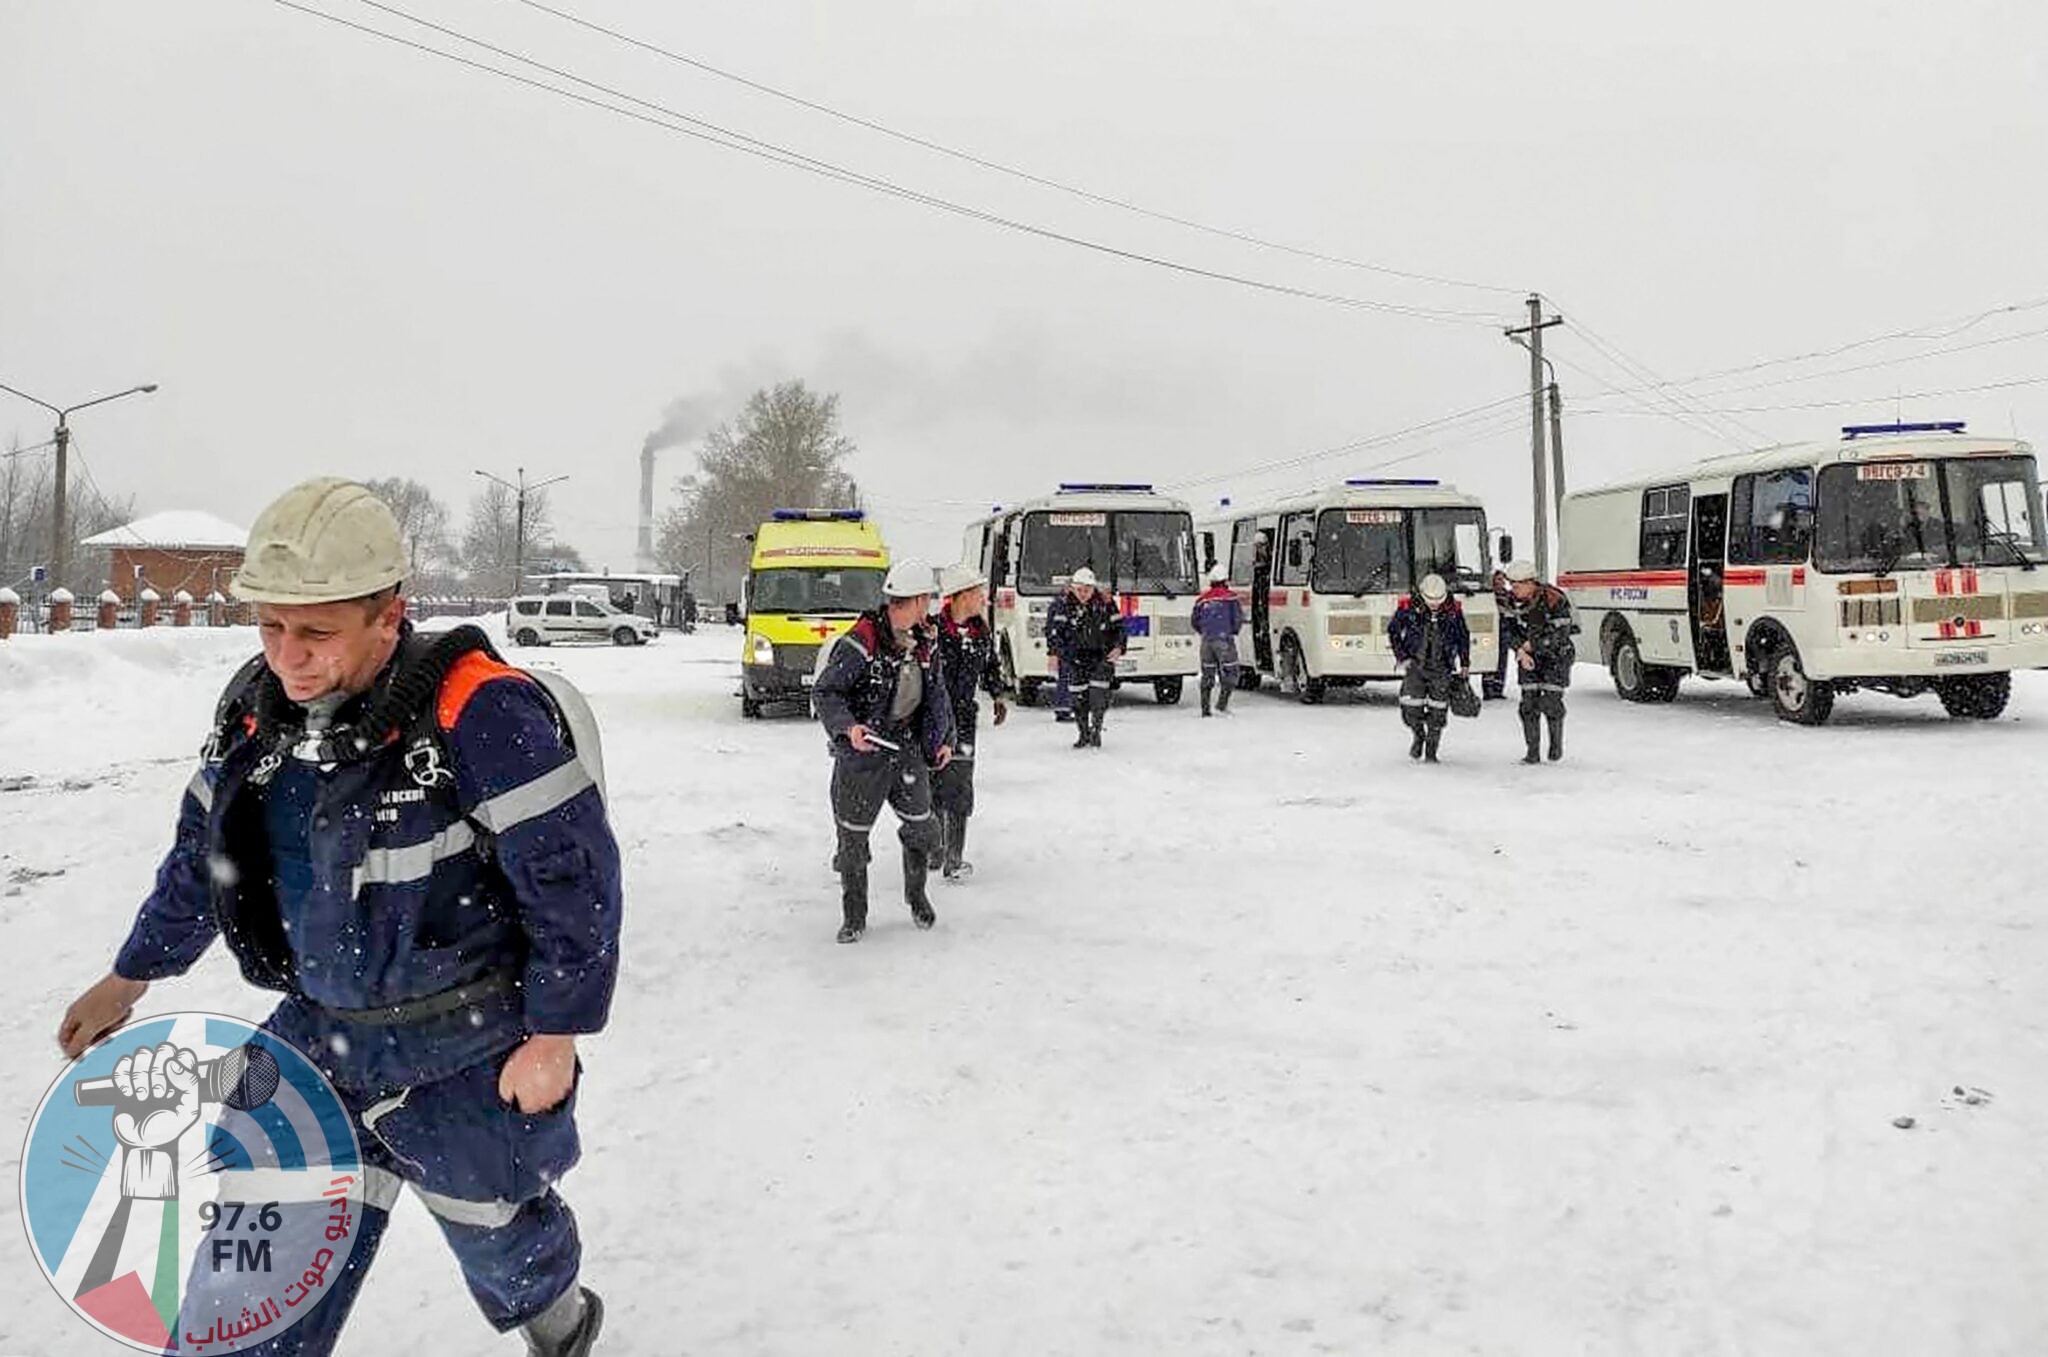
[426, 525]
[490, 540]
[785, 449]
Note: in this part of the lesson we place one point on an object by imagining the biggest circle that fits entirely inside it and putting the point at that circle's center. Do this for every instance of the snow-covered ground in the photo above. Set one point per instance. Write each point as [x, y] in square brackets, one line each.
[1249, 1037]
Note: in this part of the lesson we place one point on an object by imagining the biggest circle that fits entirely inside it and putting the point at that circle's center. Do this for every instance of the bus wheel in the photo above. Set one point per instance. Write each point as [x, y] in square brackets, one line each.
[1636, 680]
[526, 636]
[1027, 692]
[1167, 690]
[1975, 697]
[1248, 677]
[1294, 675]
[1794, 696]
[749, 708]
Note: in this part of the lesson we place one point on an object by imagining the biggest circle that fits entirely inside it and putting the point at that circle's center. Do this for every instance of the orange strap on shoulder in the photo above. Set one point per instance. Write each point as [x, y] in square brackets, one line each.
[468, 674]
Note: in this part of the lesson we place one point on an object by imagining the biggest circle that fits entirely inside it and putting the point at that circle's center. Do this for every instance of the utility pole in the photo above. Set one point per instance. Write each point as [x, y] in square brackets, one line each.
[1556, 451]
[520, 492]
[1534, 344]
[60, 540]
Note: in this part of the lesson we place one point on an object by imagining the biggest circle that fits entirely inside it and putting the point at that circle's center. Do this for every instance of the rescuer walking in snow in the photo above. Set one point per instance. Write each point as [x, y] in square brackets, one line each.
[882, 698]
[408, 839]
[1539, 627]
[971, 666]
[1091, 630]
[1217, 616]
[1434, 647]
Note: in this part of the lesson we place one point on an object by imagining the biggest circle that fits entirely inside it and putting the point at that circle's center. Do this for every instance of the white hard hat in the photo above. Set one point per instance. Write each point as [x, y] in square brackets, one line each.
[1434, 590]
[1219, 573]
[1519, 572]
[325, 541]
[908, 578]
[958, 579]
[1083, 576]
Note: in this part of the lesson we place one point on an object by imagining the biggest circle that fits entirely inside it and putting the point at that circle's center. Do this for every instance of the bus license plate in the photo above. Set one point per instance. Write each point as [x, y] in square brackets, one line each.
[1954, 657]
[807, 679]
[1127, 666]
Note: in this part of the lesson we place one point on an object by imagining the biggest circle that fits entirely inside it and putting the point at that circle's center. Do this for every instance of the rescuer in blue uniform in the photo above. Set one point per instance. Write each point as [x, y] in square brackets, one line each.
[399, 834]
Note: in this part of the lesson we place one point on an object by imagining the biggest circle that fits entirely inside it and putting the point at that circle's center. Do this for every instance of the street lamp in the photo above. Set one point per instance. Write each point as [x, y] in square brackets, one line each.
[60, 545]
[521, 490]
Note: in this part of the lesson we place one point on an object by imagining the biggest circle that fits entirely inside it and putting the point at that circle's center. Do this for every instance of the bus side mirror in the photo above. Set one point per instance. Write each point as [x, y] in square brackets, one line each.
[1294, 554]
[1507, 548]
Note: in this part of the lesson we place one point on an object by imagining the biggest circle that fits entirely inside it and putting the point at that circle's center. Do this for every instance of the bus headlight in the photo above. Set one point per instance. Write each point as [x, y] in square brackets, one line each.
[764, 650]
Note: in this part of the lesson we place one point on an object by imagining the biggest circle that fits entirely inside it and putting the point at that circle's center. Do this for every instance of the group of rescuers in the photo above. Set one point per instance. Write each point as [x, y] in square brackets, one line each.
[407, 839]
[899, 696]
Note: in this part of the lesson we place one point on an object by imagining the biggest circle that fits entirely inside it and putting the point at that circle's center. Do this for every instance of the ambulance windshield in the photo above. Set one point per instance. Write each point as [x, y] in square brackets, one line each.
[1936, 512]
[840, 590]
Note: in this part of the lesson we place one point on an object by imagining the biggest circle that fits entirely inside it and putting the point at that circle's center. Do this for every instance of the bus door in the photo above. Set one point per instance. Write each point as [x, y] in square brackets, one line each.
[1261, 544]
[1704, 594]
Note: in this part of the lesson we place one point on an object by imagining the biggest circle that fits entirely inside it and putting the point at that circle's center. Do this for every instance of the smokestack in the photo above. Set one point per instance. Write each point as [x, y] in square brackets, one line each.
[646, 543]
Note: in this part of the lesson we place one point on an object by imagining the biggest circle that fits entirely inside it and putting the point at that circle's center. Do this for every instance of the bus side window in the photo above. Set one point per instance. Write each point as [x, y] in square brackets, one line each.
[1244, 550]
[999, 554]
[1666, 510]
[1298, 532]
[1770, 518]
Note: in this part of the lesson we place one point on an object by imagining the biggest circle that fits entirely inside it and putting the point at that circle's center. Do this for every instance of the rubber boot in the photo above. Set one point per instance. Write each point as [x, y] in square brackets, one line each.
[853, 900]
[1415, 745]
[958, 868]
[580, 1338]
[1223, 697]
[1435, 736]
[1532, 734]
[1206, 690]
[914, 869]
[1098, 711]
[1556, 738]
[1083, 718]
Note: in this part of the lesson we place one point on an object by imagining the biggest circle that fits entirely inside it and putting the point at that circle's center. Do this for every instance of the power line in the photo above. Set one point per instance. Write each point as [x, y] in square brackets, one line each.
[1660, 389]
[983, 162]
[1880, 363]
[702, 130]
[1834, 404]
[1954, 328]
[1356, 445]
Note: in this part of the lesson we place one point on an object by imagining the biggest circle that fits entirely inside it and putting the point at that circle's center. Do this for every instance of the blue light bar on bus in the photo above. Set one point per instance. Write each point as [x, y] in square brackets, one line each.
[819, 515]
[1102, 487]
[1865, 430]
[1428, 480]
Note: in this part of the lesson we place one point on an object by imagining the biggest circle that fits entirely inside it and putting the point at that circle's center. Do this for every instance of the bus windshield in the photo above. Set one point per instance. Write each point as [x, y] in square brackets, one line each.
[1155, 553]
[1886, 516]
[841, 590]
[1452, 543]
[1361, 551]
[1131, 551]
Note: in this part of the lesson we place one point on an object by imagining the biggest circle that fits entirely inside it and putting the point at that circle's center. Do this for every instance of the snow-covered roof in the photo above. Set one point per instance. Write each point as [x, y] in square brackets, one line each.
[175, 529]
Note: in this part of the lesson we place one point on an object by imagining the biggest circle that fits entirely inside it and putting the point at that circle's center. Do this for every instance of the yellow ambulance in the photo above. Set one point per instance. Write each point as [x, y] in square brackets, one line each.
[813, 572]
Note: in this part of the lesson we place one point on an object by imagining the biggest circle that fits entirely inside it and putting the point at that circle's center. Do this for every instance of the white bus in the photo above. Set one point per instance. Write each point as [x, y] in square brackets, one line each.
[1321, 574]
[1905, 558]
[1141, 546]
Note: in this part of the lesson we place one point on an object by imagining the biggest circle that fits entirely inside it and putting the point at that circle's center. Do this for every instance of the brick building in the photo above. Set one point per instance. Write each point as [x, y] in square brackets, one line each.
[180, 549]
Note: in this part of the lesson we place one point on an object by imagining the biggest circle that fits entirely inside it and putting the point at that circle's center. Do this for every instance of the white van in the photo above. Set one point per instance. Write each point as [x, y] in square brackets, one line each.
[1321, 575]
[1905, 558]
[543, 619]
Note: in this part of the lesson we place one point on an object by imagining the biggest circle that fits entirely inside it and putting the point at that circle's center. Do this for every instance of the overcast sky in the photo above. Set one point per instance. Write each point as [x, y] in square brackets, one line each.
[339, 256]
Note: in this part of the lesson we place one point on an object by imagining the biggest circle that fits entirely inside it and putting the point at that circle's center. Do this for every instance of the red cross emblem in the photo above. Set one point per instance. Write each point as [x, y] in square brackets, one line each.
[821, 629]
